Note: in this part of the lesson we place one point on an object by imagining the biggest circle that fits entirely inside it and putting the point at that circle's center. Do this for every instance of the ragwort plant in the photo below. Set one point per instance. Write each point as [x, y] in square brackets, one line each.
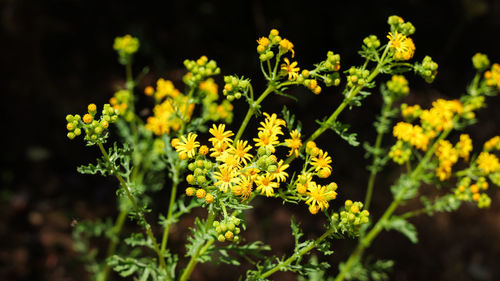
[189, 137]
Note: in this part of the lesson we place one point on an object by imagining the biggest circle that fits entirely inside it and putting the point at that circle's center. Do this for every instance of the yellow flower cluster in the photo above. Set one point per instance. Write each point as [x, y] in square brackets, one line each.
[265, 45]
[440, 117]
[447, 156]
[492, 76]
[410, 112]
[170, 113]
[126, 44]
[317, 164]
[466, 191]
[488, 162]
[413, 134]
[403, 46]
[173, 108]
[493, 143]
[227, 165]
[464, 146]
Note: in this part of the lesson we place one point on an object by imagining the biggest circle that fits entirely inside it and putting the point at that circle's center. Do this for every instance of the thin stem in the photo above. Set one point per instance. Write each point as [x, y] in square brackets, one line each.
[186, 108]
[128, 73]
[376, 157]
[271, 74]
[199, 251]
[263, 71]
[251, 111]
[146, 225]
[171, 204]
[299, 254]
[120, 220]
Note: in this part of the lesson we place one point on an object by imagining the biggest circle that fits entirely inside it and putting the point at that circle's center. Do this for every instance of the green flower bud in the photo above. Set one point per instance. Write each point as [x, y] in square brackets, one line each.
[272, 168]
[480, 61]
[221, 238]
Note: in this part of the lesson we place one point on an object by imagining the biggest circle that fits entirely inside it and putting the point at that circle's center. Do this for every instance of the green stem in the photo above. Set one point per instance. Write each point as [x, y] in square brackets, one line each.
[128, 73]
[251, 111]
[376, 156]
[171, 204]
[202, 248]
[186, 108]
[113, 243]
[146, 225]
[298, 254]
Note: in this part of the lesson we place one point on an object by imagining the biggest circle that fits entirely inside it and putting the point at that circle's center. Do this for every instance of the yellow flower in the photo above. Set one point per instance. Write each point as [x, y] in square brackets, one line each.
[492, 76]
[126, 44]
[265, 184]
[272, 124]
[447, 156]
[229, 160]
[169, 115]
[290, 69]
[280, 173]
[488, 163]
[440, 116]
[294, 143]
[165, 88]
[403, 46]
[226, 177]
[220, 136]
[464, 146]
[266, 140]
[243, 188]
[319, 196]
[218, 149]
[210, 87]
[188, 145]
[263, 41]
[240, 150]
[321, 161]
[412, 134]
[492, 143]
[286, 46]
[303, 181]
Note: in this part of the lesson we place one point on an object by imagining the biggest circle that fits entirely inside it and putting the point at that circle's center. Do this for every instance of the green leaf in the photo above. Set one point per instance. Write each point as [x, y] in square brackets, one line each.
[341, 129]
[403, 226]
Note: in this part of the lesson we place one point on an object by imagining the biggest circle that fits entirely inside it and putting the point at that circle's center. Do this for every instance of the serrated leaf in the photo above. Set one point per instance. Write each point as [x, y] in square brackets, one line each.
[403, 226]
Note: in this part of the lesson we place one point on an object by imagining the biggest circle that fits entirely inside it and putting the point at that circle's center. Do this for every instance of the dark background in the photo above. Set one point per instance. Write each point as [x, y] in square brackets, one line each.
[57, 57]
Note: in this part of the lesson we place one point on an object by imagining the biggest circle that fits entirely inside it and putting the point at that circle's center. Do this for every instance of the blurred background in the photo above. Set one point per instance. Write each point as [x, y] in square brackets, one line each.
[57, 57]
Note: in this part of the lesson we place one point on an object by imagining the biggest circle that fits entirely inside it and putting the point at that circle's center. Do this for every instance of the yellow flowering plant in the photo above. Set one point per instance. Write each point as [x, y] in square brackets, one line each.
[222, 168]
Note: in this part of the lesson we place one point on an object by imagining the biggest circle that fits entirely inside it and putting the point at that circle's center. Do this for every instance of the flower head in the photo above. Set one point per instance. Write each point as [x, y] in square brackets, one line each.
[280, 173]
[226, 178]
[403, 46]
[220, 135]
[319, 196]
[294, 143]
[488, 162]
[321, 161]
[240, 151]
[265, 184]
[286, 46]
[187, 145]
[290, 69]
